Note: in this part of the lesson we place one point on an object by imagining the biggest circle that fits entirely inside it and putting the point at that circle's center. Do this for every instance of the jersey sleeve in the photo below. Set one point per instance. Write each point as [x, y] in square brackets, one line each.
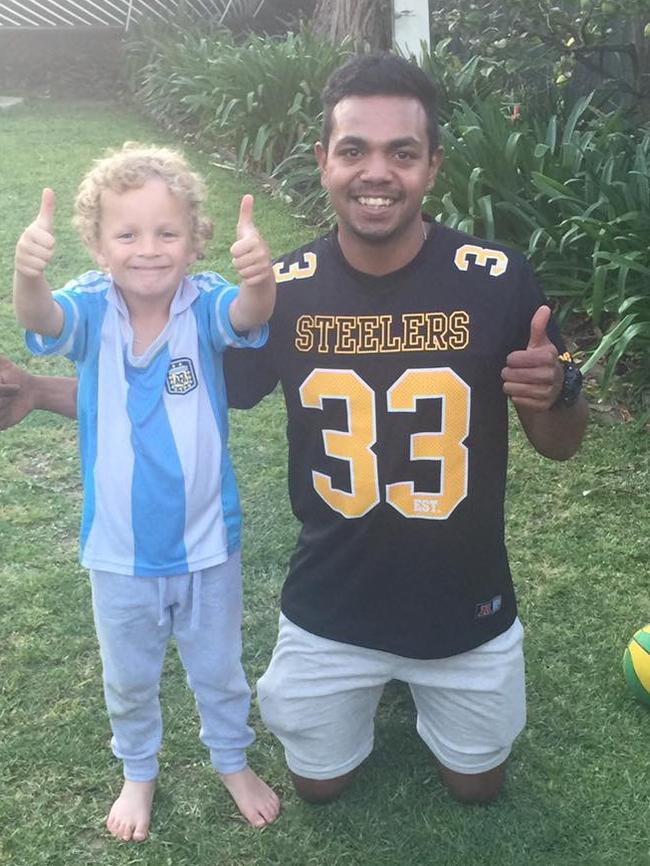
[528, 298]
[76, 302]
[250, 376]
[217, 296]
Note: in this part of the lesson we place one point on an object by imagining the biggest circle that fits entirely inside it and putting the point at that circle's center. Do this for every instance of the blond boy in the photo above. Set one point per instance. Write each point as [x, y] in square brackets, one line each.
[161, 520]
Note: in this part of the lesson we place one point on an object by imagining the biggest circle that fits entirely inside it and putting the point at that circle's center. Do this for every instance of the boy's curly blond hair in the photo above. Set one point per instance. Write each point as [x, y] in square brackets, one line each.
[129, 167]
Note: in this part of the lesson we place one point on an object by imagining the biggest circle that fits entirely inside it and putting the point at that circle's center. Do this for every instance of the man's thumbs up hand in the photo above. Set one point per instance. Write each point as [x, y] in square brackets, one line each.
[533, 377]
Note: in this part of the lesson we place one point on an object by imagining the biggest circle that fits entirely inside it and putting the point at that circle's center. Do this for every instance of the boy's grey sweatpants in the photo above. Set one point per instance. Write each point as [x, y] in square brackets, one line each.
[134, 618]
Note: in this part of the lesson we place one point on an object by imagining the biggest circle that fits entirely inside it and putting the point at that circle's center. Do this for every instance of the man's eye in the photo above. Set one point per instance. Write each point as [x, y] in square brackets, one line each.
[351, 152]
[404, 155]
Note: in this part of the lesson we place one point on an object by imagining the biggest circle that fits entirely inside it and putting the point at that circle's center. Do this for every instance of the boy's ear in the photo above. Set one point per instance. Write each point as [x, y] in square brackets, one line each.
[96, 253]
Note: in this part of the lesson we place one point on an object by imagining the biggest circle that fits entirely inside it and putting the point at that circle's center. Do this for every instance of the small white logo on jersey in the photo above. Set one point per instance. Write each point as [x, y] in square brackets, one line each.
[425, 506]
[482, 256]
[488, 608]
[181, 378]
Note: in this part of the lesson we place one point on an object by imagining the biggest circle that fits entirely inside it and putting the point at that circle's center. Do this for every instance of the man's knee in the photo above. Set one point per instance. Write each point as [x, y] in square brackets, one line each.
[321, 790]
[474, 788]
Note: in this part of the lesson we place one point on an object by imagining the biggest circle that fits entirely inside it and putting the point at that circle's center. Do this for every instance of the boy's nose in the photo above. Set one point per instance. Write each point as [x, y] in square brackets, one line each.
[148, 246]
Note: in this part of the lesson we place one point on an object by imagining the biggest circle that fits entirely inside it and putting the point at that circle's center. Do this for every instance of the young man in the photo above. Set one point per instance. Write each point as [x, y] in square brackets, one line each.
[397, 342]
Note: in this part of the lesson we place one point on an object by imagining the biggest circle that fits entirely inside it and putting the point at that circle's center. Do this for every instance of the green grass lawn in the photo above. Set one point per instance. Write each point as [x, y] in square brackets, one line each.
[579, 784]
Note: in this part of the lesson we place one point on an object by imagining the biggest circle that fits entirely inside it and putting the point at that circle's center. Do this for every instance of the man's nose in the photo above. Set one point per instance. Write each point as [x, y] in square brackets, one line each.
[376, 167]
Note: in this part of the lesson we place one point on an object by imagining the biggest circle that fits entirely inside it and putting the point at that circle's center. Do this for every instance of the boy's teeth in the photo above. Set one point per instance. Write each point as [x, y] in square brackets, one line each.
[374, 201]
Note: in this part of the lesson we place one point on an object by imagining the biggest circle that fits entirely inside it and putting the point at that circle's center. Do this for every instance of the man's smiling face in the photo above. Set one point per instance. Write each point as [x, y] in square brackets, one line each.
[377, 168]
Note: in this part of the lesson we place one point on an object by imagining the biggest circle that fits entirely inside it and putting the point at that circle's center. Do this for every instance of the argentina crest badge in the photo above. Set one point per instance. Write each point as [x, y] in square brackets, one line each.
[181, 376]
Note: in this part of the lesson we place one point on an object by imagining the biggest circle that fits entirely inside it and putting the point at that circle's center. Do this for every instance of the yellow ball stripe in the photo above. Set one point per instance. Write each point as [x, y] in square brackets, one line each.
[641, 663]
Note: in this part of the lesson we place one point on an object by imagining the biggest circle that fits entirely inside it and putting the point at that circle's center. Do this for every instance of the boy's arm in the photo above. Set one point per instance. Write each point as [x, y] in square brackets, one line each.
[20, 393]
[533, 380]
[35, 308]
[250, 256]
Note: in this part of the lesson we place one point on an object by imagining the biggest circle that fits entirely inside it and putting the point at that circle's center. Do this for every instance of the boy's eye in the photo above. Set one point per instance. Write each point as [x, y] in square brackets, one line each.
[126, 236]
[169, 235]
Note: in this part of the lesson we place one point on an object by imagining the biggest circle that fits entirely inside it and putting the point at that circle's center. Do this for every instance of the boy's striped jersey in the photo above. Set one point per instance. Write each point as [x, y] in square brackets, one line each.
[160, 496]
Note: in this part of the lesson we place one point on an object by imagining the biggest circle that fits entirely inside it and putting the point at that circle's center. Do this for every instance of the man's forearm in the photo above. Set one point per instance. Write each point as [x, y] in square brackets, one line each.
[55, 394]
[556, 433]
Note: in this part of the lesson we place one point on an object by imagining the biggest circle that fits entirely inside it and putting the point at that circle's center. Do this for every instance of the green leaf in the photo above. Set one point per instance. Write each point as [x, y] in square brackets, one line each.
[598, 293]
[551, 187]
[578, 110]
[487, 215]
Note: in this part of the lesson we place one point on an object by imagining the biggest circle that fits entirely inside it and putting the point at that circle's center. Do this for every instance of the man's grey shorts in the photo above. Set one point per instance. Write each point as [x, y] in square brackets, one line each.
[319, 698]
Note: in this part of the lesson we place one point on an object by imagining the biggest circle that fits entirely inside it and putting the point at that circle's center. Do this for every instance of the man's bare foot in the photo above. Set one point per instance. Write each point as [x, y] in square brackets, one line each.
[258, 803]
[129, 817]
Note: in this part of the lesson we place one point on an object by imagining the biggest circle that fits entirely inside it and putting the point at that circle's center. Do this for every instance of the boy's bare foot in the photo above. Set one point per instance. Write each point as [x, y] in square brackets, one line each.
[258, 803]
[129, 817]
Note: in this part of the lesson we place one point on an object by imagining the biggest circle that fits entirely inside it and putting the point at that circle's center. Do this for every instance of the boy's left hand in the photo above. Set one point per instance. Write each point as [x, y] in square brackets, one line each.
[250, 254]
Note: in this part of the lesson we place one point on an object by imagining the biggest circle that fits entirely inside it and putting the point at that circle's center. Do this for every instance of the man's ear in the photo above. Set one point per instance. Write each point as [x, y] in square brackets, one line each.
[435, 162]
[321, 158]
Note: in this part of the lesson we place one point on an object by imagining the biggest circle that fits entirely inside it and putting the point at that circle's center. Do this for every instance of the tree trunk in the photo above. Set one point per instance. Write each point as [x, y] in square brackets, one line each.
[365, 21]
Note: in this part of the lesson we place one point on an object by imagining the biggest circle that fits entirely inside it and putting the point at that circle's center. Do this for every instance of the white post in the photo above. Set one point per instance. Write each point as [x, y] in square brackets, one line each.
[128, 16]
[410, 26]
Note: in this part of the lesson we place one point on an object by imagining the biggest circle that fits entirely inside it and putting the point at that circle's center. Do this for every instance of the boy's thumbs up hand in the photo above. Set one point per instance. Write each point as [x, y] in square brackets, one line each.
[245, 224]
[250, 254]
[35, 247]
[45, 218]
[532, 377]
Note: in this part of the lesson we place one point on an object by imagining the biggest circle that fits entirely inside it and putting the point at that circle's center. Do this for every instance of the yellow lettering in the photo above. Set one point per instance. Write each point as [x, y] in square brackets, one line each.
[389, 343]
[458, 330]
[437, 323]
[304, 334]
[346, 342]
[368, 336]
[413, 338]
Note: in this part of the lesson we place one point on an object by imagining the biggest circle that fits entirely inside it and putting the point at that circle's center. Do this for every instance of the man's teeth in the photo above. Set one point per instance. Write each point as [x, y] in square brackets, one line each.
[374, 201]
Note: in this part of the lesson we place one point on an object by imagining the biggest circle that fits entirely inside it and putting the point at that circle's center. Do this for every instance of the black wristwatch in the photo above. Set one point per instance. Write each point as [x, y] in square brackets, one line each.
[572, 384]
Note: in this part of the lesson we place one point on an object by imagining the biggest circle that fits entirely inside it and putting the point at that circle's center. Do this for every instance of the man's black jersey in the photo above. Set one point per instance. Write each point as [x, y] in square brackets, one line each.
[397, 429]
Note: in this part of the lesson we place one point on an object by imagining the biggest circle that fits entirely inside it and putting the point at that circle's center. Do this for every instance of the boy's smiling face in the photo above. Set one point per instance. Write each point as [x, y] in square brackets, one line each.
[145, 241]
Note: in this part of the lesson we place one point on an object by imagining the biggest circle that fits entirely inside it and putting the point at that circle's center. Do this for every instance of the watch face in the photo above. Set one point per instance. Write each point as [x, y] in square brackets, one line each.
[572, 384]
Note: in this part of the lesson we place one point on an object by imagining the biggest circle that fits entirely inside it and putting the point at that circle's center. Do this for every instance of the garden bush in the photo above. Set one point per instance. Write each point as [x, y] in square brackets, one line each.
[253, 99]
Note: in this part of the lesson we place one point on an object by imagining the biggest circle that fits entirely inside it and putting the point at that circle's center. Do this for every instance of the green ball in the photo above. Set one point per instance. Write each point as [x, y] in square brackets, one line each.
[636, 664]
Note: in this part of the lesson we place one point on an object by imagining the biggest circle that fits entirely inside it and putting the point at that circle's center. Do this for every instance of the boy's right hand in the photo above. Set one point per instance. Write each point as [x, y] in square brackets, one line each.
[36, 245]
